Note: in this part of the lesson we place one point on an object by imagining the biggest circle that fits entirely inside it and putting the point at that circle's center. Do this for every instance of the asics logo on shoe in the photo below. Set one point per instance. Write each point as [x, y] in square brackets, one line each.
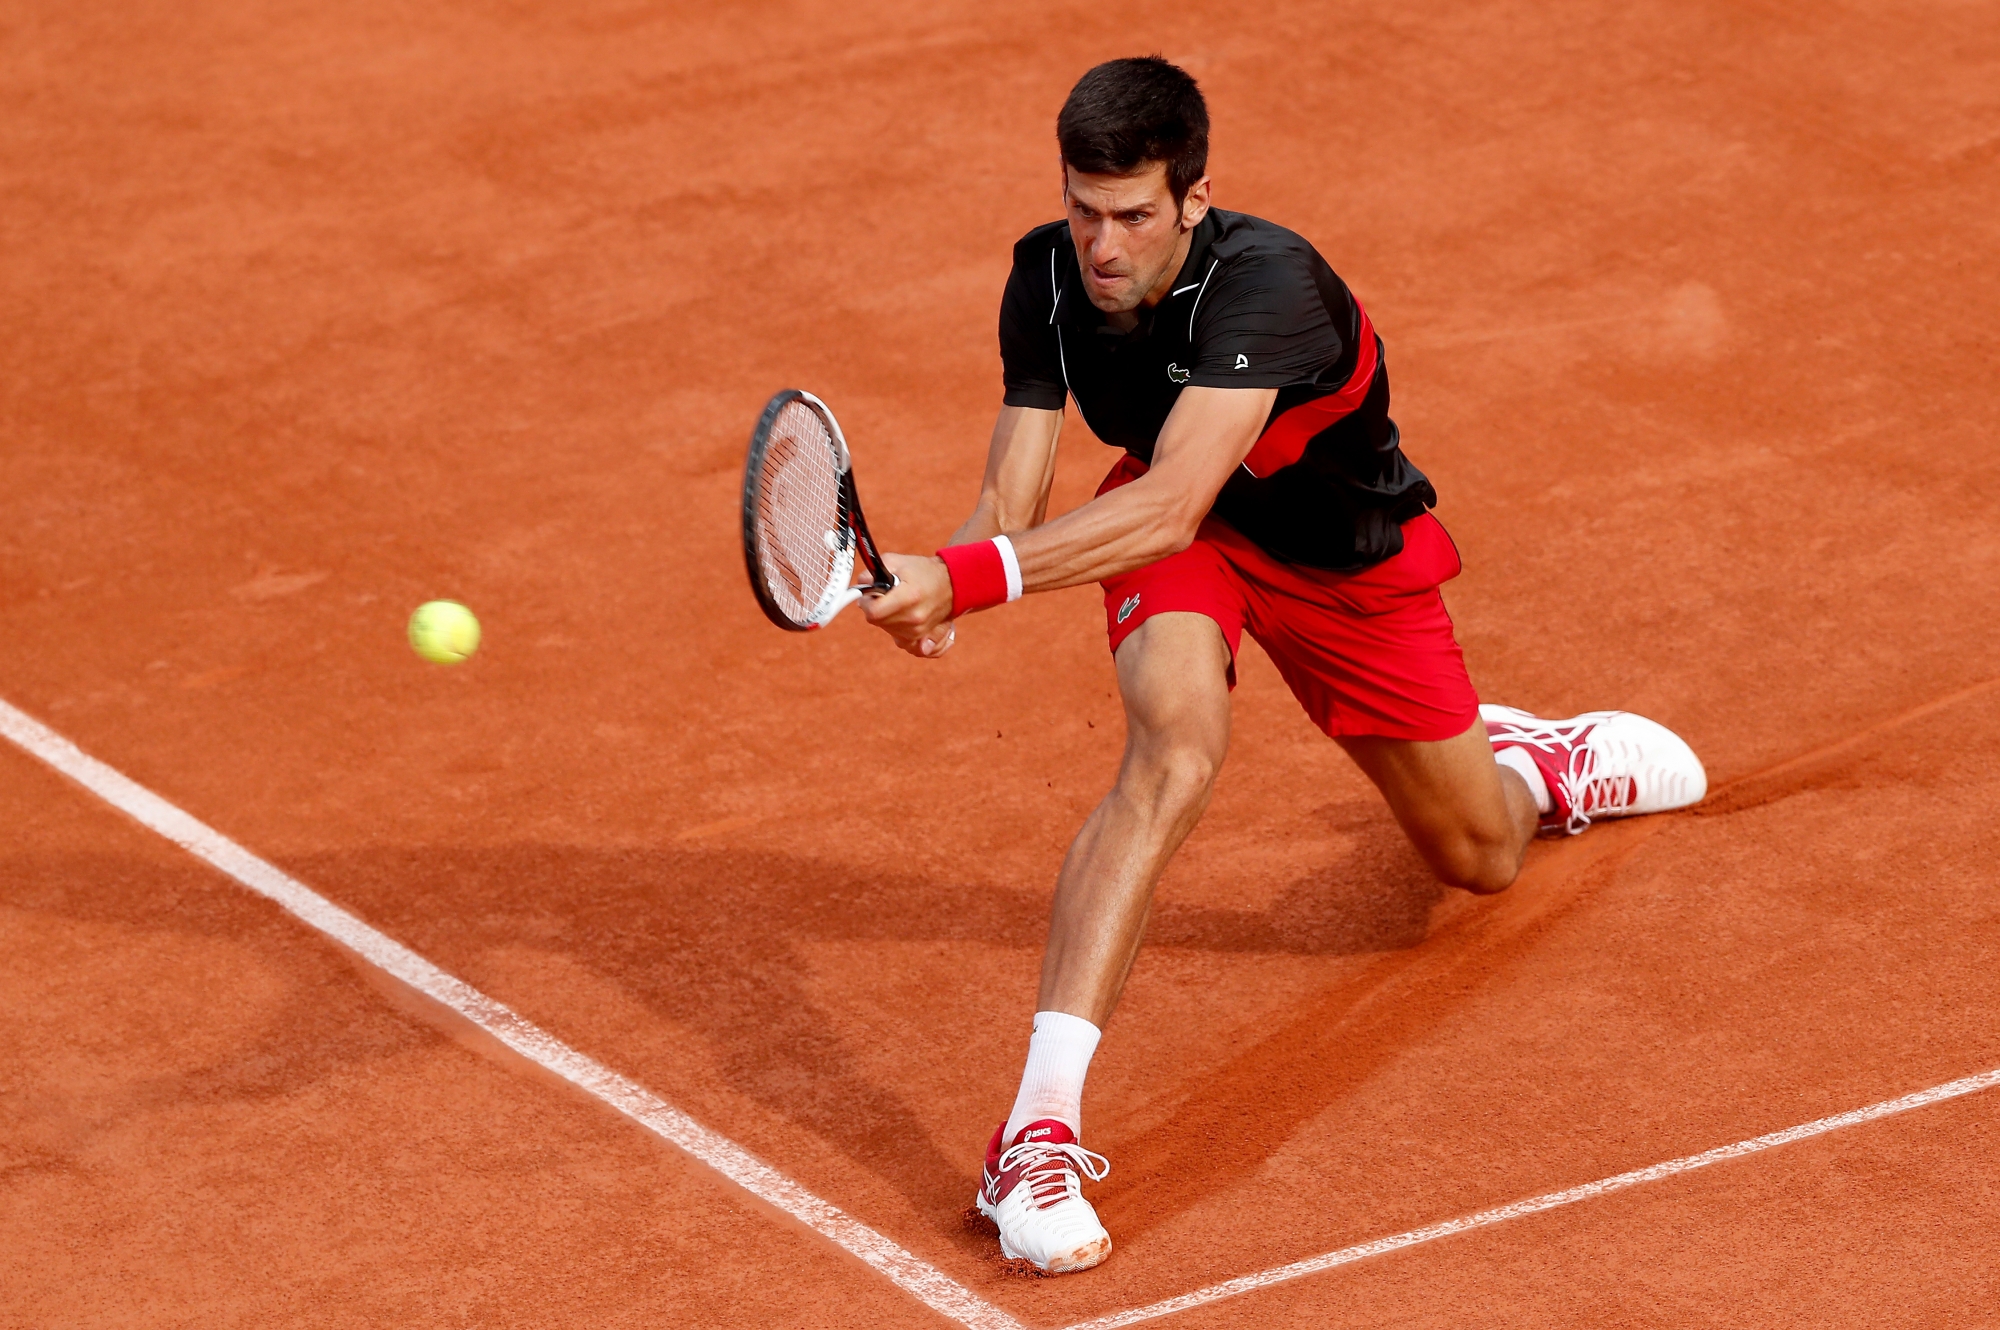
[1037, 1133]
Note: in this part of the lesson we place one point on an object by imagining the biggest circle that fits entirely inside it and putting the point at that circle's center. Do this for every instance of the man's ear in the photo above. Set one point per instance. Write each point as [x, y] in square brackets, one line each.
[1194, 204]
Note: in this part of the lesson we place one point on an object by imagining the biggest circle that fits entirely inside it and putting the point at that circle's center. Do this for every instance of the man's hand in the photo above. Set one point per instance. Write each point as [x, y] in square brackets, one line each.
[918, 612]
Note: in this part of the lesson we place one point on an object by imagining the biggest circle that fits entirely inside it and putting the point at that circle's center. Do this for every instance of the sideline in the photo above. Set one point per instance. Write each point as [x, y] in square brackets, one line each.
[907, 1271]
[1501, 1214]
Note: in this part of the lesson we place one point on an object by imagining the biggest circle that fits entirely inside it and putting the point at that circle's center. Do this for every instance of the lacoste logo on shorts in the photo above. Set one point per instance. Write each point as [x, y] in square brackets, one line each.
[1242, 361]
[1125, 610]
[1177, 374]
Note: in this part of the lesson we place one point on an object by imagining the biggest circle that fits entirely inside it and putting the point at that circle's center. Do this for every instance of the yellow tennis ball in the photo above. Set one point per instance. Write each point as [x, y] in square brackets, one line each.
[444, 631]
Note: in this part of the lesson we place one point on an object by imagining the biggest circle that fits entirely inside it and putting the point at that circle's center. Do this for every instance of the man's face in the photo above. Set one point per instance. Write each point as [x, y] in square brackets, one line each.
[1130, 238]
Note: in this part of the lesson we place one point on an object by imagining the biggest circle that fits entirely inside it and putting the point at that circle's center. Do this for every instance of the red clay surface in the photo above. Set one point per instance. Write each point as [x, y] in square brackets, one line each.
[312, 315]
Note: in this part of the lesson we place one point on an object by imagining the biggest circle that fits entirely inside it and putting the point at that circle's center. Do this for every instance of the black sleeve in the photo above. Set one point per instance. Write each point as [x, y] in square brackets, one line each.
[1029, 358]
[1262, 324]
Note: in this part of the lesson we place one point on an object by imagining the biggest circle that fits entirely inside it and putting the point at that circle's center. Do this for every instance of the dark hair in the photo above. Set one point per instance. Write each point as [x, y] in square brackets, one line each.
[1125, 114]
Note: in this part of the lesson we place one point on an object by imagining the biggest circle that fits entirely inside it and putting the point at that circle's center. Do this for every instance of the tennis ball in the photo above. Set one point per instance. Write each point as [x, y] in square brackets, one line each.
[444, 631]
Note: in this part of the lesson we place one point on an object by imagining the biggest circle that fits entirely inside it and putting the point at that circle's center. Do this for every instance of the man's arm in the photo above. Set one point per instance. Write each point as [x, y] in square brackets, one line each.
[1207, 436]
[1020, 468]
[1209, 433]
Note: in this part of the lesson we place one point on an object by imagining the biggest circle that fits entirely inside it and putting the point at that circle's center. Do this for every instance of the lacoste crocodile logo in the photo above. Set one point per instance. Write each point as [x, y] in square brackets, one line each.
[1125, 610]
[1177, 374]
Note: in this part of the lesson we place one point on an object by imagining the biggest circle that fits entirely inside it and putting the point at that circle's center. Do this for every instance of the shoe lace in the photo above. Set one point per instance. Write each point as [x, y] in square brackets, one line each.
[1591, 795]
[1587, 794]
[1049, 1171]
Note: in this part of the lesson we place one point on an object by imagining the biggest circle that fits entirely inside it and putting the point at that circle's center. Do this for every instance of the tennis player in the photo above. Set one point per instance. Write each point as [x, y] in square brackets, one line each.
[1263, 488]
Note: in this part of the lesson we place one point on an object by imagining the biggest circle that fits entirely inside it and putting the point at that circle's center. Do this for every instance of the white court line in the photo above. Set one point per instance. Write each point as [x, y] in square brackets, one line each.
[1314, 1264]
[911, 1273]
[907, 1271]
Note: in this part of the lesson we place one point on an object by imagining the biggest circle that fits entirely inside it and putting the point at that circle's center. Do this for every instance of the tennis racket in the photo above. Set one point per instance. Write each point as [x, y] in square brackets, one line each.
[802, 522]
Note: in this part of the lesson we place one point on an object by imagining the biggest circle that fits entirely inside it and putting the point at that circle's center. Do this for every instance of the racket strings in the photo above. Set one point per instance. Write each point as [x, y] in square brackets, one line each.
[800, 512]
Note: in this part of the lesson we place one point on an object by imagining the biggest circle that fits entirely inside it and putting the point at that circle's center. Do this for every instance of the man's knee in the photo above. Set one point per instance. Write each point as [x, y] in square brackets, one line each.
[1173, 778]
[1476, 863]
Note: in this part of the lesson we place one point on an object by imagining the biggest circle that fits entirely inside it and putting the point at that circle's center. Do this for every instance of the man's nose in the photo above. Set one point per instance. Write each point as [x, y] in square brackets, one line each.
[1104, 246]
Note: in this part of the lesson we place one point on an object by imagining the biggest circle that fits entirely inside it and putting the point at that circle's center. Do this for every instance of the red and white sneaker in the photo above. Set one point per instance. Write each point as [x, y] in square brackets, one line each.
[1601, 764]
[1033, 1192]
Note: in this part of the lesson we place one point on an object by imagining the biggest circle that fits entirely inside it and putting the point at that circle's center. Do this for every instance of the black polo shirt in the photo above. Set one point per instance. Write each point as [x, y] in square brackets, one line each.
[1254, 306]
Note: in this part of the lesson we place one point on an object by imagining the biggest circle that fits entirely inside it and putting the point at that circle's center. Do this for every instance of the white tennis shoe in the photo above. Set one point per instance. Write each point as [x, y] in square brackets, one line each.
[1032, 1190]
[1601, 764]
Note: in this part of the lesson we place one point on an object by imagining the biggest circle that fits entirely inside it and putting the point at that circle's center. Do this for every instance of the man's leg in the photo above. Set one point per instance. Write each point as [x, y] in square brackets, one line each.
[1469, 817]
[1467, 805]
[1174, 674]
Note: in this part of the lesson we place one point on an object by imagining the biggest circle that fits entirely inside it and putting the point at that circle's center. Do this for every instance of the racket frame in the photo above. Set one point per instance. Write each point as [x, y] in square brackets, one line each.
[852, 529]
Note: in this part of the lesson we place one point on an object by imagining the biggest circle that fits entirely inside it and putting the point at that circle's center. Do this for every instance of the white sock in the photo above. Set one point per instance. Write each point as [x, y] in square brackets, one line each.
[1516, 760]
[1052, 1083]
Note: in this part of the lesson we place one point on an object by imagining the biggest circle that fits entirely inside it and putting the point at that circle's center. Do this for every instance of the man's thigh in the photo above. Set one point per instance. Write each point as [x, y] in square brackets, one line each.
[1173, 674]
[1196, 581]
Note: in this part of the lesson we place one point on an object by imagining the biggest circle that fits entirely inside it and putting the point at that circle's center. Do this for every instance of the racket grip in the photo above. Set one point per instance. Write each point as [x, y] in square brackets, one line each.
[855, 593]
[847, 597]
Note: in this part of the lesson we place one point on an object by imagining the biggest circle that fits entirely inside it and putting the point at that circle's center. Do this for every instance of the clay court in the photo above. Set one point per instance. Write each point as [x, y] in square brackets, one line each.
[315, 313]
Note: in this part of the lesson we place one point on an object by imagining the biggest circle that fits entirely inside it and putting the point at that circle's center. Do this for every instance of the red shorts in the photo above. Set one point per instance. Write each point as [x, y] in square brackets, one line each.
[1365, 653]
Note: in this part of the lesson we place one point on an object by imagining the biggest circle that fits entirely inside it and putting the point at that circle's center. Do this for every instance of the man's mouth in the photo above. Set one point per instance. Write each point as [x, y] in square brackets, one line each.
[1106, 278]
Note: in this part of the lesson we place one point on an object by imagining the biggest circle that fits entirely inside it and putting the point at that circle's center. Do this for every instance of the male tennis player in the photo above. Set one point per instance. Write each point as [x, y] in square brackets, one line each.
[1264, 488]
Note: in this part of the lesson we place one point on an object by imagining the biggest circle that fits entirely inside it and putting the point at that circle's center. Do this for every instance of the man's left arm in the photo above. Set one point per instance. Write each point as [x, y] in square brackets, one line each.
[1208, 434]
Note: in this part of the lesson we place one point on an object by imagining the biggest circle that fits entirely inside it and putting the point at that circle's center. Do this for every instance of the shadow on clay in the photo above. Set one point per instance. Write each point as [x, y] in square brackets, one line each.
[1334, 1042]
[1377, 897]
[711, 941]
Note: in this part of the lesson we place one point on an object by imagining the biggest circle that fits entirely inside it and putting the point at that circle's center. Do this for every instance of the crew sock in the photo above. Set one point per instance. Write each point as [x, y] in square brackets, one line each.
[1517, 760]
[1059, 1054]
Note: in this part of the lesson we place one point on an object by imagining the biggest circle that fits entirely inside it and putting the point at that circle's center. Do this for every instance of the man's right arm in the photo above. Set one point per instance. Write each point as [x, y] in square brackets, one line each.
[1020, 469]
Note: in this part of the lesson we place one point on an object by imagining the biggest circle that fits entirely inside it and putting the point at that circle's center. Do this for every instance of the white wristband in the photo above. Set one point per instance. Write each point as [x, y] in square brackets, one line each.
[1012, 565]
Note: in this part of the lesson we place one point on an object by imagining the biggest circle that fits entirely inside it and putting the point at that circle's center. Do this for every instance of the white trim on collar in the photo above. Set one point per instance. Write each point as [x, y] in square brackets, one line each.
[1213, 264]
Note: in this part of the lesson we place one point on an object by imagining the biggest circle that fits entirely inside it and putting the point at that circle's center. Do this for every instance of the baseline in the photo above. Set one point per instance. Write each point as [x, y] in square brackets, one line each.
[905, 1269]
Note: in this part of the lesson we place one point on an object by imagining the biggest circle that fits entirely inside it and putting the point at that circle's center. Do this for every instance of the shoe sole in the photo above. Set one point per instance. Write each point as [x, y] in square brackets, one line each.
[1083, 1258]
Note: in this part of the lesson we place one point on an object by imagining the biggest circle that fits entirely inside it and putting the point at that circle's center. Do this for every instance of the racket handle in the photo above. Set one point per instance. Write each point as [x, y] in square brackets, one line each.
[847, 597]
[855, 593]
